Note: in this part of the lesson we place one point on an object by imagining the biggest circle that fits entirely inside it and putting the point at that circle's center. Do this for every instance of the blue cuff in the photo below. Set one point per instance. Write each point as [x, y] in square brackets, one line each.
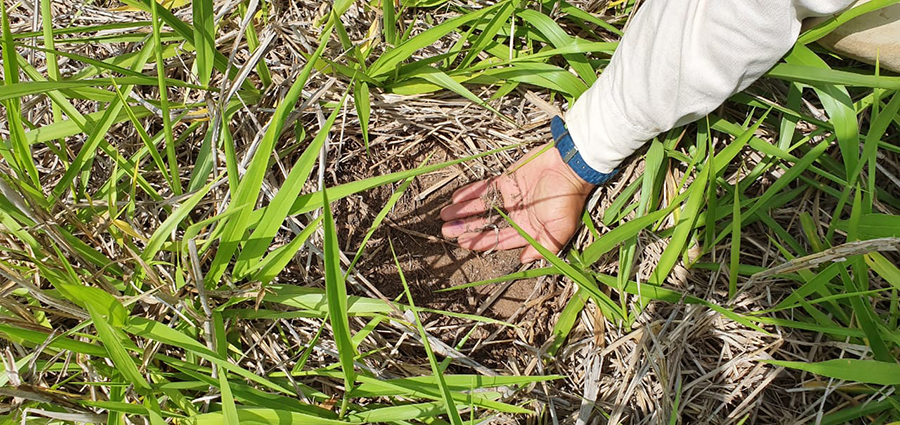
[570, 155]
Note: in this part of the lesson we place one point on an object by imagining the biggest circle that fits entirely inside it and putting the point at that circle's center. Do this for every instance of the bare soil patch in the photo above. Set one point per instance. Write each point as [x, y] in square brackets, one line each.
[429, 261]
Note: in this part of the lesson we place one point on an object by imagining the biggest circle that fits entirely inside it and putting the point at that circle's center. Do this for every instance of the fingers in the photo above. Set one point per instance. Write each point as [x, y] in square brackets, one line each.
[454, 229]
[463, 209]
[468, 201]
[472, 190]
[493, 239]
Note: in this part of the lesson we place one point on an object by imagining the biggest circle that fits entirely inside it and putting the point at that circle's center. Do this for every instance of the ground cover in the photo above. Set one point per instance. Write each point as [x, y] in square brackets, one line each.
[215, 212]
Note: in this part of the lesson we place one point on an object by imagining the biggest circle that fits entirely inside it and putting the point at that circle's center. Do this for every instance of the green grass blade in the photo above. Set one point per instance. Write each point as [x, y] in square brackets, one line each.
[500, 18]
[867, 371]
[204, 38]
[578, 277]
[164, 231]
[566, 321]
[449, 404]
[312, 201]
[30, 88]
[96, 297]
[558, 38]
[363, 107]
[439, 78]
[258, 415]
[526, 274]
[735, 254]
[88, 150]
[336, 294]
[266, 270]
[313, 300]
[278, 208]
[186, 32]
[818, 75]
[153, 411]
[229, 410]
[19, 153]
[838, 104]
[389, 61]
[829, 25]
[659, 293]
[689, 215]
[403, 412]
[124, 362]
[39, 338]
[159, 332]
[164, 101]
[376, 224]
[145, 138]
[389, 22]
[247, 192]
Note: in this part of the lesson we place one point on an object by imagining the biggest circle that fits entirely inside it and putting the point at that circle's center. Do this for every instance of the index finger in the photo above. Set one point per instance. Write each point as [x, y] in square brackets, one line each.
[473, 190]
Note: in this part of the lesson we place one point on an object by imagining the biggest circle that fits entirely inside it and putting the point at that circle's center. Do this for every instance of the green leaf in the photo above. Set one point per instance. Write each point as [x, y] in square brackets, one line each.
[867, 371]
[266, 270]
[204, 38]
[164, 231]
[439, 78]
[117, 353]
[817, 75]
[526, 274]
[388, 61]
[228, 407]
[437, 373]
[376, 223]
[258, 415]
[566, 321]
[101, 301]
[247, 192]
[57, 343]
[336, 294]
[31, 88]
[402, 412]
[578, 277]
[261, 238]
[19, 153]
[488, 33]
[837, 103]
[363, 107]
[312, 201]
[159, 332]
[453, 382]
[314, 300]
[830, 24]
[164, 101]
[96, 137]
[559, 39]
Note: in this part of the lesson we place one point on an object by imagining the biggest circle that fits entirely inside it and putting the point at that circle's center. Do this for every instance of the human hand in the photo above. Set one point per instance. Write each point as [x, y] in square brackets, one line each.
[540, 193]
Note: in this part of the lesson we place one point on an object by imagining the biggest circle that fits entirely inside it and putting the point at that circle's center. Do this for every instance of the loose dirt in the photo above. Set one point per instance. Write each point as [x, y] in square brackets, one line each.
[431, 263]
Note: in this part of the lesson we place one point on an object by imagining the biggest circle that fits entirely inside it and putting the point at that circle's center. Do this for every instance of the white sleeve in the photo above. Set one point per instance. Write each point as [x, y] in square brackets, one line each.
[679, 60]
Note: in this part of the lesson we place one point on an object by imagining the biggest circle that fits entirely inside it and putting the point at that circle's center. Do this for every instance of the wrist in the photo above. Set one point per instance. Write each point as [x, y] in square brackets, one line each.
[577, 181]
[586, 176]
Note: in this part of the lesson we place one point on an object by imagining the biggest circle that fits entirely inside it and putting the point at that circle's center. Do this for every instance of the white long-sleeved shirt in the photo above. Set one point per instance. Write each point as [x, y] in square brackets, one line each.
[679, 60]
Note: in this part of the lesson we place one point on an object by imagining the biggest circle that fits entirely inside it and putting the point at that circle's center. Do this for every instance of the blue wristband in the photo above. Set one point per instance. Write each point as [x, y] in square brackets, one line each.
[570, 155]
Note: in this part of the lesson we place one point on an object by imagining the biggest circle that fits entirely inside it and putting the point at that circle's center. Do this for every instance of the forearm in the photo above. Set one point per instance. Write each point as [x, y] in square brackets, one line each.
[680, 60]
